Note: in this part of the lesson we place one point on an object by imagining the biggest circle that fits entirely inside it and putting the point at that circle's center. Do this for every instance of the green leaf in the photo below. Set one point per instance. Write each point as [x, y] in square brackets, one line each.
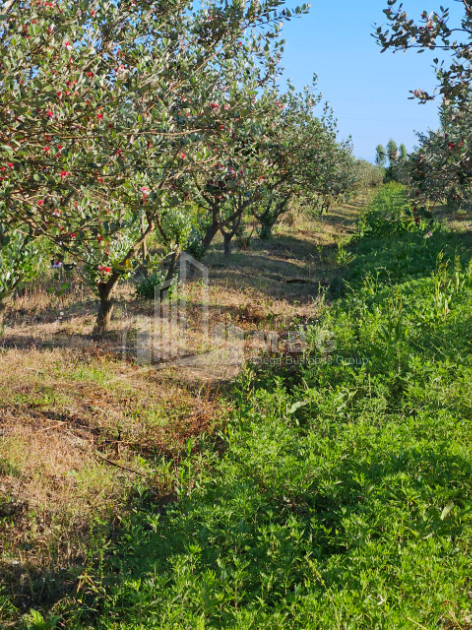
[446, 510]
[296, 406]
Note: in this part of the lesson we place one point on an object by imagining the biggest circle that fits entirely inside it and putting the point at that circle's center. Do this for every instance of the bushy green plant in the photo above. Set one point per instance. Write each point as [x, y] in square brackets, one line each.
[195, 246]
[146, 287]
[388, 211]
[21, 258]
[339, 496]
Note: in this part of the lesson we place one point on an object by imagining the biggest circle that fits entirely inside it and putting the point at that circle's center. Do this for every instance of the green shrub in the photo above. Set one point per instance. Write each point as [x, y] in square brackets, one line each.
[146, 288]
[388, 212]
[195, 246]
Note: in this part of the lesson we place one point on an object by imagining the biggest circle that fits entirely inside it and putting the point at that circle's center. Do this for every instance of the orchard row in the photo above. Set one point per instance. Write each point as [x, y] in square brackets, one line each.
[126, 120]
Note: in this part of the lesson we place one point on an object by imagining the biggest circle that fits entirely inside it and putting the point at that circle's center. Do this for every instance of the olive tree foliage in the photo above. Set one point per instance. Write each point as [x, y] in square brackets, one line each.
[434, 31]
[20, 257]
[344, 179]
[230, 185]
[292, 151]
[93, 133]
[441, 168]
[243, 102]
[366, 175]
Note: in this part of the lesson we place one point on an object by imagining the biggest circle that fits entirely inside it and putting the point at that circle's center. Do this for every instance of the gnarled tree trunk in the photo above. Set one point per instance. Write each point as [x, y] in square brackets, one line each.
[171, 269]
[105, 289]
[234, 227]
[270, 217]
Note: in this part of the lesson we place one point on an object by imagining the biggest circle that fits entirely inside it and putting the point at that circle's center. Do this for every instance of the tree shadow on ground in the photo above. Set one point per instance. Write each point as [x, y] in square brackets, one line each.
[286, 268]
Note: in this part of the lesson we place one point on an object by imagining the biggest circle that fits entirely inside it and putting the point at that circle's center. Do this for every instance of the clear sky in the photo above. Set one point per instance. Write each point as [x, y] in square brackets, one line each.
[368, 90]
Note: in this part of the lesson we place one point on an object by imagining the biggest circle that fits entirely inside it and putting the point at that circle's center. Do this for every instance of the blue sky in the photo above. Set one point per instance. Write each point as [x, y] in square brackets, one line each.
[369, 91]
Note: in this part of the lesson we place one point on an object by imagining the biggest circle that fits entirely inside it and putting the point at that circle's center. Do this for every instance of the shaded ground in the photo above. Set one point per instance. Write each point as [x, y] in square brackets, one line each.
[290, 267]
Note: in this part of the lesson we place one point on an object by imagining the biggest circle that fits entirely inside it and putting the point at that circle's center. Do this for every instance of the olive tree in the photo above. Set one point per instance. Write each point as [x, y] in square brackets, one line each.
[301, 157]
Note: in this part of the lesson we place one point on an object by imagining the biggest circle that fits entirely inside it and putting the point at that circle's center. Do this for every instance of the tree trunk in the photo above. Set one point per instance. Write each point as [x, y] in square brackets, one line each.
[210, 235]
[266, 230]
[105, 289]
[144, 249]
[227, 237]
[2, 313]
[105, 308]
[172, 265]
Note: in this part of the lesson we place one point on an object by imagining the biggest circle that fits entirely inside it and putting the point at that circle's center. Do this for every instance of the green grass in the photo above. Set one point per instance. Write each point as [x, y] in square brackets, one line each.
[339, 494]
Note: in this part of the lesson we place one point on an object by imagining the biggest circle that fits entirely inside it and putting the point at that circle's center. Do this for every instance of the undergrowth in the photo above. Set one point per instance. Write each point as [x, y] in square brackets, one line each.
[339, 493]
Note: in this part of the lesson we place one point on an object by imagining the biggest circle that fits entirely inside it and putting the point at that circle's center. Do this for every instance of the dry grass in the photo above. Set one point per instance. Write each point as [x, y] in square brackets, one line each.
[80, 433]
